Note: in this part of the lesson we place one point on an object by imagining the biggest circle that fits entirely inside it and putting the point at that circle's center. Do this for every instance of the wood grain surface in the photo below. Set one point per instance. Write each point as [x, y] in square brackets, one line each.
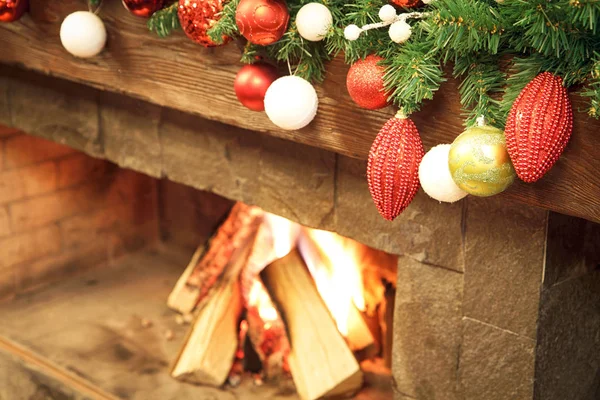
[180, 74]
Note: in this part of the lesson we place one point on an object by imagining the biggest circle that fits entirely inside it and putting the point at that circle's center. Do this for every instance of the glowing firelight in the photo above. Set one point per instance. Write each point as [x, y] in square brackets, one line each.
[284, 233]
[336, 269]
[260, 299]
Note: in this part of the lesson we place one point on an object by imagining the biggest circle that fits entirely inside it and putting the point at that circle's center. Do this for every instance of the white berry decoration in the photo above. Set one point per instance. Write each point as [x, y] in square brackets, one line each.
[400, 31]
[83, 34]
[352, 32]
[291, 102]
[387, 13]
[313, 21]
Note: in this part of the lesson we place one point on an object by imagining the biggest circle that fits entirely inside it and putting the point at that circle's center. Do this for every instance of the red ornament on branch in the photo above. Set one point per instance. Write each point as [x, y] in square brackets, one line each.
[197, 17]
[143, 8]
[406, 3]
[262, 22]
[539, 126]
[365, 83]
[251, 84]
[393, 166]
[12, 10]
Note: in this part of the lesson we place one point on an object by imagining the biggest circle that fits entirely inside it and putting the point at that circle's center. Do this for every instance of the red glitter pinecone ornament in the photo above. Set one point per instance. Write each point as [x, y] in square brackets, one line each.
[393, 166]
[143, 8]
[365, 83]
[539, 126]
[197, 17]
[12, 10]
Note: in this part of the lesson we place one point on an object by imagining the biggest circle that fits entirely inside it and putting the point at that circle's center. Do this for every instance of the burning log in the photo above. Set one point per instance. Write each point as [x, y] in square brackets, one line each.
[206, 267]
[209, 351]
[321, 363]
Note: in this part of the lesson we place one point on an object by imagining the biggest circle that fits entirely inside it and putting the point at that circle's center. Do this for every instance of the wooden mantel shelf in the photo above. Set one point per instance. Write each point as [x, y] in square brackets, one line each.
[180, 74]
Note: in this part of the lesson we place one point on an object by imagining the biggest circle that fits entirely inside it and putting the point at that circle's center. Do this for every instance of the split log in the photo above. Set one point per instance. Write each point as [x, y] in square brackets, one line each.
[321, 363]
[206, 267]
[209, 350]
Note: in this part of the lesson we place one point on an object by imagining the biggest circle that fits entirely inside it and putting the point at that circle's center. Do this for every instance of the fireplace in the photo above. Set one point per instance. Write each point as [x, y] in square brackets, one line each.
[493, 299]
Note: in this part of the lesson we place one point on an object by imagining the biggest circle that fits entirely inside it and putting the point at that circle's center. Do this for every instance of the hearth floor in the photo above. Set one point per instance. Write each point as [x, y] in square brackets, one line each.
[108, 334]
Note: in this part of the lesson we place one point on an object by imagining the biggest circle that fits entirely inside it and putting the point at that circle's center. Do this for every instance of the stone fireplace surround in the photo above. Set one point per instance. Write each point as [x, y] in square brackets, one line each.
[495, 300]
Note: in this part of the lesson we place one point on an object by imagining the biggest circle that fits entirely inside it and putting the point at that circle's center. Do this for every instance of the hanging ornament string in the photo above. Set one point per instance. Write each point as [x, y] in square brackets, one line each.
[388, 17]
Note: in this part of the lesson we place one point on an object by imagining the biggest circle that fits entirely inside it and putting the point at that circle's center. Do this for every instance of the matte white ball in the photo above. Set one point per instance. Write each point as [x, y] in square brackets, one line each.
[352, 32]
[387, 13]
[313, 21]
[291, 102]
[435, 176]
[83, 34]
[400, 31]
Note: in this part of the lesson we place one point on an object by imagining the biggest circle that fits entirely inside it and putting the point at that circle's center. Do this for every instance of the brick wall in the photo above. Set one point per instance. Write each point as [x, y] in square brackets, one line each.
[62, 211]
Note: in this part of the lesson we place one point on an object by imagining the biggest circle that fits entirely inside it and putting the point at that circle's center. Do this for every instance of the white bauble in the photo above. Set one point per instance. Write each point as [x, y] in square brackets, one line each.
[291, 102]
[83, 34]
[387, 13]
[352, 32]
[313, 21]
[435, 176]
[400, 31]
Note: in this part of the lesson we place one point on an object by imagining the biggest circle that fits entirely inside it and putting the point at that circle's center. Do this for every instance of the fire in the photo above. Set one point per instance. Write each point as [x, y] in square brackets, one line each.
[334, 264]
[260, 299]
[284, 234]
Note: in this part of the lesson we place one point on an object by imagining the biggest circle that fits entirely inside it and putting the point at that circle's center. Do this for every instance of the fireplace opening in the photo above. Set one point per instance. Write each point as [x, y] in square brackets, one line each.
[301, 307]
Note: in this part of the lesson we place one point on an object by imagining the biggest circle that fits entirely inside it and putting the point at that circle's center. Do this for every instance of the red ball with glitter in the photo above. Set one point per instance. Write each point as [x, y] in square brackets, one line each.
[539, 126]
[393, 166]
[143, 8]
[365, 83]
[262, 22]
[406, 3]
[12, 10]
[251, 84]
[197, 17]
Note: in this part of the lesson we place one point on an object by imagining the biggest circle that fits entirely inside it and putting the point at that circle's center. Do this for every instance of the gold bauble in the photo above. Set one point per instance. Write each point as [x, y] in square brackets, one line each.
[479, 162]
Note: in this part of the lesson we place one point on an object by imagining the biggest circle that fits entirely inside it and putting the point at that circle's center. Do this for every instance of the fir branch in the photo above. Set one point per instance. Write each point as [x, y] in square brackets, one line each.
[164, 21]
[585, 13]
[522, 72]
[226, 25]
[593, 89]
[482, 82]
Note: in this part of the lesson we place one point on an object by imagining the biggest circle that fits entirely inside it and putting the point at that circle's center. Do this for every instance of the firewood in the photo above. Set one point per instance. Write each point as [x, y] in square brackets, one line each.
[205, 268]
[209, 350]
[321, 363]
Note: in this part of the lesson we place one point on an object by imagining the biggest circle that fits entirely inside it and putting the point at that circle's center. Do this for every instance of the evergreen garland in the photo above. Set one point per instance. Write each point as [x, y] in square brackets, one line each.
[495, 47]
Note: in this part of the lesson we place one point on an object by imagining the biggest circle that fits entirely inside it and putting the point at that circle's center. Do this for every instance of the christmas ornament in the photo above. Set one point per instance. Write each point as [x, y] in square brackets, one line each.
[197, 17]
[352, 32]
[12, 10]
[405, 3]
[435, 177]
[143, 8]
[365, 83]
[400, 31]
[83, 34]
[479, 162]
[313, 21]
[251, 84]
[539, 126]
[392, 169]
[262, 22]
[291, 102]
[387, 13]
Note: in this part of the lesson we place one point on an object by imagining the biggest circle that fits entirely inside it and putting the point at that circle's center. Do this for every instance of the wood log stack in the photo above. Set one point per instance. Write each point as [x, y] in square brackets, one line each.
[253, 274]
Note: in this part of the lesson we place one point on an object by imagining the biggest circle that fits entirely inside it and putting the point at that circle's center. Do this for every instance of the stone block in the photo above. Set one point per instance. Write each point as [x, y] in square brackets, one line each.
[29, 246]
[80, 168]
[504, 263]
[17, 184]
[130, 133]
[7, 283]
[4, 222]
[56, 110]
[495, 364]
[427, 331]
[4, 104]
[23, 150]
[418, 232]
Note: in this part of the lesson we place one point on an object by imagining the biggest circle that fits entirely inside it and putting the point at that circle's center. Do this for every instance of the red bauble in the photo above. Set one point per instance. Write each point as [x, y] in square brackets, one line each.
[262, 22]
[12, 10]
[406, 3]
[539, 126]
[143, 8]
[365, 83]
[251, 84]
[393, 166]
[197, 17]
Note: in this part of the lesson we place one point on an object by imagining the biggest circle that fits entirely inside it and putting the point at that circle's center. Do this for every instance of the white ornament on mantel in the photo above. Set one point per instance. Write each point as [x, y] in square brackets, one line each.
[291, 102]
[83, 34]
[435, 176]
[387, 13]
[400, 31]
[313, 21]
